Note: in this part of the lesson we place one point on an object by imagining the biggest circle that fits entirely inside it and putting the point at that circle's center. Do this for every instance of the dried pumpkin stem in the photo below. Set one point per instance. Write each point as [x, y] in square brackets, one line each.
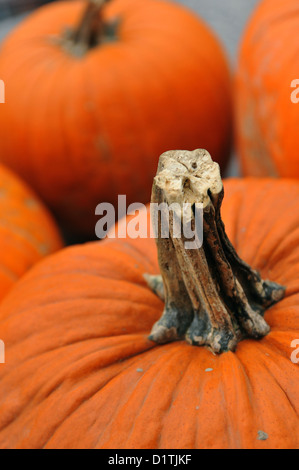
[92, 30]
[212, 297]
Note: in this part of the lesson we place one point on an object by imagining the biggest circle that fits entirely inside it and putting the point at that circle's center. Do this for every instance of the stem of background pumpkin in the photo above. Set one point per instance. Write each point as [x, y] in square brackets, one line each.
[90, 27]
[211, 296]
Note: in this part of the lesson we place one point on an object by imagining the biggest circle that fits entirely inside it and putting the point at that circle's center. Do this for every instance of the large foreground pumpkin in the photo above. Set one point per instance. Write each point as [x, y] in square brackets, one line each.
[95, 104]
[27, 230]
[267, 108]
[81, 372]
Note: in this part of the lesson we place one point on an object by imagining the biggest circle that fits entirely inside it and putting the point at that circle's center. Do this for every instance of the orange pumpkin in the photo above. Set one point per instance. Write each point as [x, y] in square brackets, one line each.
[93, 100]
[81, 372]
[267, 82]
[27, 231]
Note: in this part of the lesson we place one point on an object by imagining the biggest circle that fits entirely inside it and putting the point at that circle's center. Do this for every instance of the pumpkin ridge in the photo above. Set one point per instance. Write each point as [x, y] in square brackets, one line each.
[27, 230]
[75, 408]
[274, 228]
[266, 409]
[172, 399]
[275, 380]
[129, 247]
[115, 333]
[254, 215]
[97, 390]
[280, 252]
[275, 344]
[276, 20]
[9, 273]
[118, 375]
[70, 371]
[168, 357]
[237, 439]
[282, 357]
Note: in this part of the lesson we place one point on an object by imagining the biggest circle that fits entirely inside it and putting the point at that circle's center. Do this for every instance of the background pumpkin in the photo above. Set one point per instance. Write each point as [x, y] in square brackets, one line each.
[267, 120]
[81, 371]
[27, 231]
[91, 120]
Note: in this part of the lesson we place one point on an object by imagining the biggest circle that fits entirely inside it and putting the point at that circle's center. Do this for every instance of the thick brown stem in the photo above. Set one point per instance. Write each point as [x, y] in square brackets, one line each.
[92, 30]
[212, 297]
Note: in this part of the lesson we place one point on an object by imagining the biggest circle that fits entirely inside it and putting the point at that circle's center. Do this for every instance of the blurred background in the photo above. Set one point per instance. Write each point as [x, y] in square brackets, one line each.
[227, 18]
[15, 7]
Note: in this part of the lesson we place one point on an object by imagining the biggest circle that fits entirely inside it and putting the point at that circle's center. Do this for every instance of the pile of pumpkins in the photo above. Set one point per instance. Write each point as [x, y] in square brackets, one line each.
[95, 91]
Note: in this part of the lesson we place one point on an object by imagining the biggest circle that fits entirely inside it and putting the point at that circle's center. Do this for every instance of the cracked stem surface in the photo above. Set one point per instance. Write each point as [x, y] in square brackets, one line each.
[212, 297]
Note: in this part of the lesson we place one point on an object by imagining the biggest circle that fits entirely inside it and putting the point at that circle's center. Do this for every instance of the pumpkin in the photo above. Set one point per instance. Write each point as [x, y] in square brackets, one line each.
[267, 109]
[27, 230]
[95, 92]
[82, 372]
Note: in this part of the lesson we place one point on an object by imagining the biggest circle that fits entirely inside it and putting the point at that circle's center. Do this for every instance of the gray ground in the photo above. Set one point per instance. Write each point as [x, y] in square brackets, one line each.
[226, 17]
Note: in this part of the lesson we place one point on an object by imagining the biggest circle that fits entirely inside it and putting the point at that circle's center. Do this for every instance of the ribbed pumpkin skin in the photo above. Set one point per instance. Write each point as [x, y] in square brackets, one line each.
[98, 123]
[81, 373]
[27, 231]
[267, 121]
